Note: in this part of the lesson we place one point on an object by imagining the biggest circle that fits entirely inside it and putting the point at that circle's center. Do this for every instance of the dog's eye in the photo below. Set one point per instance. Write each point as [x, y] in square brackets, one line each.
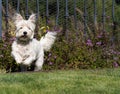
[21, 27]
[29, 28]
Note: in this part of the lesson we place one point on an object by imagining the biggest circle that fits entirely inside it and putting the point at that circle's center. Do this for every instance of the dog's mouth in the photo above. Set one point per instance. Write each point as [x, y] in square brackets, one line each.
[23, 39]
[24, 36]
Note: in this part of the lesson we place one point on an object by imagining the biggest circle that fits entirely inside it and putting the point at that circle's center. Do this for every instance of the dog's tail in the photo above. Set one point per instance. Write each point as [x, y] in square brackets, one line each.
[48, 40]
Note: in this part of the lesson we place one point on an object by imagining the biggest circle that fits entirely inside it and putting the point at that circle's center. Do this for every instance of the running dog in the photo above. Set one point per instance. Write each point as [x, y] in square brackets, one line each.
[26, 49]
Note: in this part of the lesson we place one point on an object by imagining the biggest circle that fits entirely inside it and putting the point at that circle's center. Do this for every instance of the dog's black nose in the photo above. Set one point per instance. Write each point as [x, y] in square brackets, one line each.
[25, 33]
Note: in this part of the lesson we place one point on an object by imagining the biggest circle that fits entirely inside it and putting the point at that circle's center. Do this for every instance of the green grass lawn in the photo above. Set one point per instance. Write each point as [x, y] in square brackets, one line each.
[106, 81]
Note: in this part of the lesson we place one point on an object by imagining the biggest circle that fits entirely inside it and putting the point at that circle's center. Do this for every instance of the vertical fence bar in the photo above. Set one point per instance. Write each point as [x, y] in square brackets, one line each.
[57, 16]
[95, 18]
[6, 16]
[95, 12]
[85, 18]
[1, 51]
[75, 15]
[37, 17]
[113, 10]
[66, 18]
[66, 8]
[113, 20]
[37, 8]
[47, 12]
[0, 20]
[26, 9]
[18, 6]
[103, 15]
[75, 18]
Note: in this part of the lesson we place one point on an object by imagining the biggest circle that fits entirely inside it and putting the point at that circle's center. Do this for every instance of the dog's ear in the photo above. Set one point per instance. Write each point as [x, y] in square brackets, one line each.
[17, 17]
[32, 18]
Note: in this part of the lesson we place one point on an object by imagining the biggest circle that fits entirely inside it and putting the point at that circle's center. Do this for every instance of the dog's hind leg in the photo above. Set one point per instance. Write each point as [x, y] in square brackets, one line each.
[39, 63]
[23, 68]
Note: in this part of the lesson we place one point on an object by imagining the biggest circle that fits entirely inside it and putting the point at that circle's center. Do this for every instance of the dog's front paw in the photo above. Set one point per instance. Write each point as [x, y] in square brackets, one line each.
[27, 62]
[38, 68]
[18, 60]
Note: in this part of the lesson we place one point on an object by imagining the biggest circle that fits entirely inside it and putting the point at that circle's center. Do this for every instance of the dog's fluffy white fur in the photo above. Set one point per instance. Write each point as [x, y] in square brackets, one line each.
[26, 49]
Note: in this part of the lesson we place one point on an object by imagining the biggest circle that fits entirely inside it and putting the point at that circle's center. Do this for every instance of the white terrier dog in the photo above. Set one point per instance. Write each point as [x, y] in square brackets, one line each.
[26, 49]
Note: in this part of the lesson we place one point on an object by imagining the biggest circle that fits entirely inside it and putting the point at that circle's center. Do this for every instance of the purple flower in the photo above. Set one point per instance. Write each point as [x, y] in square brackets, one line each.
[118, 53]
[108, 17]
[48, 31]
[57, 29]
[113, 52]
[99, 43]
[115, 64]
[1, 56]
[12, 39]
[50, 63]
[50, 55]
[89, 43]
[5, 45]
[48, 59]
[3, 36]
[116, 58]
[55, 57]
[49, 22]
[99, 36]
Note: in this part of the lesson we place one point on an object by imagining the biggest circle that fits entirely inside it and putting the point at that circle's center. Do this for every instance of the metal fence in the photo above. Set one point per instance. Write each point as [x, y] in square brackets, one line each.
[86, 11]
[0, 19]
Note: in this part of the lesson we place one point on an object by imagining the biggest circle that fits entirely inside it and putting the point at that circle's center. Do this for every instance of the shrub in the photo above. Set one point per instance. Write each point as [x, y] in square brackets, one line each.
[74, 52]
